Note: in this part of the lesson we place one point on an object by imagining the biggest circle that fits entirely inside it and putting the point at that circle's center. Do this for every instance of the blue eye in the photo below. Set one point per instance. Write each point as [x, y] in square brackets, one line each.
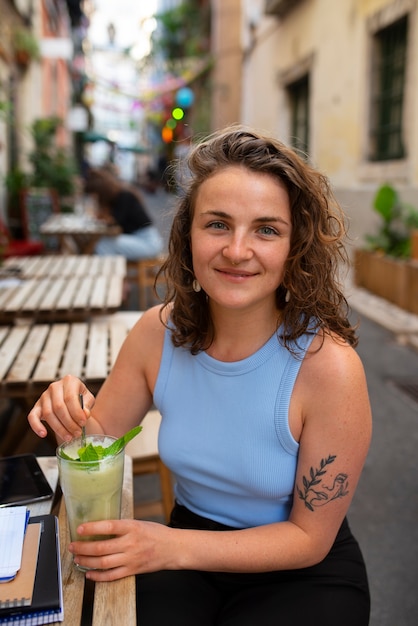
[217, 225]
[268, 230]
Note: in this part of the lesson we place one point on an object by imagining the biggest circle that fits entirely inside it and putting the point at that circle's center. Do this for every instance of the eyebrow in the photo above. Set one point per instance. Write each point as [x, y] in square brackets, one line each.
[259, 220]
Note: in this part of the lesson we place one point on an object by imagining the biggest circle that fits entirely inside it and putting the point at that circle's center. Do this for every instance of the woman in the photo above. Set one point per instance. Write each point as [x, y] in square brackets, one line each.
[119, 204]
[266, 418]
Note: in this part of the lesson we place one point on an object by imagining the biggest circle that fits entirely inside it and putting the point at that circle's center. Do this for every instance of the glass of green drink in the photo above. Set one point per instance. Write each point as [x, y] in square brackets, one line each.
[92, 488]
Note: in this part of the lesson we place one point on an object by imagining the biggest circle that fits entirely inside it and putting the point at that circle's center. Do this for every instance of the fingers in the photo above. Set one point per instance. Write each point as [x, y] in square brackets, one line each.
[106, 574]
[106, 556]
[59, 406]
[110, 558]
[107, 528]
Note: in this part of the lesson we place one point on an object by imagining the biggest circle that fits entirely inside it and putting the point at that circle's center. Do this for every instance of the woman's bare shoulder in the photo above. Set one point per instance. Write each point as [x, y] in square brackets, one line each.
[151, 324]
[142, 349]
[331, 360]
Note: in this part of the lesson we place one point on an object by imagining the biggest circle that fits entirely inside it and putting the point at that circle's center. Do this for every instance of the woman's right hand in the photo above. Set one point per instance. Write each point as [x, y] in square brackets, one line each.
[59, 406]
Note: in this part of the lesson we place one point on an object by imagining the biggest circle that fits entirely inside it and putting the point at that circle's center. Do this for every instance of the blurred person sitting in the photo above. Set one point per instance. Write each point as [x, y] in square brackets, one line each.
[122, 205]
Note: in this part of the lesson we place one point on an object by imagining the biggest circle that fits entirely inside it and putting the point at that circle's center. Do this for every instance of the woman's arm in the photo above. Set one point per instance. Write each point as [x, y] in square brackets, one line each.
[124, 398]
[127, 393]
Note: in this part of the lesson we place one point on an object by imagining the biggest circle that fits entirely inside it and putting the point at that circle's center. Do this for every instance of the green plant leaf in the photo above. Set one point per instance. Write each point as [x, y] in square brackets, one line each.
[91, 453]
[122, 441]
[385, 202]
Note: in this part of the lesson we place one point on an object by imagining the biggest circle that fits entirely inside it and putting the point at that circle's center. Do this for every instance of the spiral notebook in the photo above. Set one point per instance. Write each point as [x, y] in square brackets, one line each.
[46, 604]
[13, 523]
[19, 591]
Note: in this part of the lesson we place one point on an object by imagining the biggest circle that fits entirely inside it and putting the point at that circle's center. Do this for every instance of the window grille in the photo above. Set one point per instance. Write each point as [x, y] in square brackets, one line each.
[299, 110]
[387, 94]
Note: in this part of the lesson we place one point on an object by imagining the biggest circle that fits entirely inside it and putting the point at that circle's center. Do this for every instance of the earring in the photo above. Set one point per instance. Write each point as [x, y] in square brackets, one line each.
[196, 286]
[287, 296]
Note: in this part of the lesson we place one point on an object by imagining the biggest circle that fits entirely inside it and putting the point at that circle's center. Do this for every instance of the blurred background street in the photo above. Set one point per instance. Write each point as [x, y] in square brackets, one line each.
[130, 85]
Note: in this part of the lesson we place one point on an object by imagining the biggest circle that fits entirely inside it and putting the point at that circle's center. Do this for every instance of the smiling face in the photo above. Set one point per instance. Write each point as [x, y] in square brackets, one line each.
[240, 237]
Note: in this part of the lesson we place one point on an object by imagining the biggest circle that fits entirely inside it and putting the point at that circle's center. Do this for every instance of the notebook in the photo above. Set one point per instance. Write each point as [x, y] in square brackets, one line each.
[19, 591]
[13, 522]
[47, 602]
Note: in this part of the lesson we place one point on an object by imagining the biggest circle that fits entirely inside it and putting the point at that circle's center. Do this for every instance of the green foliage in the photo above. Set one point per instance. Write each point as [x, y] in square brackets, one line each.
[182, 32]
[398, 219]
[25, 41]
[52, 167]
[5, 108]
[16, 180]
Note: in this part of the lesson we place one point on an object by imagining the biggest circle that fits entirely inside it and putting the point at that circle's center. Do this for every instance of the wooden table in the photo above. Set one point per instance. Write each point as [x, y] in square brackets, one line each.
[54, 288]
[50, 266]
[110, 604]
[77, 233]
[32, 356]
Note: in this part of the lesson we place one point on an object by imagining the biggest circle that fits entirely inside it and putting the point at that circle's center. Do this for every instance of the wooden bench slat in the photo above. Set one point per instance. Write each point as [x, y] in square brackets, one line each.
[48, 366]
[36, 268]
[98, 294]
[118, 332]
[66, 297]
[56, 267]
[5, 295]
[36, 297]
[82, 299]
[19, 296]
[97, 351]
[75, 352]
[114, 292]
[106, 265]
[28, 355]
[3, 332]
[11, 346]
[52, 295]
[82, 267]
[95, 265]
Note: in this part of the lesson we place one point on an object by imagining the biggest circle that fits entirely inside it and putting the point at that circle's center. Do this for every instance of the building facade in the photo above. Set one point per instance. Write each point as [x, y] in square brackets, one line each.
[338, 81]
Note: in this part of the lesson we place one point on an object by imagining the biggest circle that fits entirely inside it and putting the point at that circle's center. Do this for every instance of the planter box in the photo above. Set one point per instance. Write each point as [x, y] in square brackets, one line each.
[393, 279]
[412, 282]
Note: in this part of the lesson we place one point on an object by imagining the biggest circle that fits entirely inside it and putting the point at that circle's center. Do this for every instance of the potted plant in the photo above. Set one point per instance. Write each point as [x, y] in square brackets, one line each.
[52, 167]
[25, 46]
[385, 266]
[16, 181]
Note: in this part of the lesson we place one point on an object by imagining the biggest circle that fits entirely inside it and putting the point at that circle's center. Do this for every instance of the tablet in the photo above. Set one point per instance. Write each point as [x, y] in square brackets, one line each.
[22, 481]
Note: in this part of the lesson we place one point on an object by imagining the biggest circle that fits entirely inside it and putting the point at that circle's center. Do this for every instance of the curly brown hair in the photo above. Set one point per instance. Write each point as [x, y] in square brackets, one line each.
[316, 248]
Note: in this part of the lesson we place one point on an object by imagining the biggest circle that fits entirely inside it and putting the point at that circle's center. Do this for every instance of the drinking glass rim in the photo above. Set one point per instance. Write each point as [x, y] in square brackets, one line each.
[92, 461]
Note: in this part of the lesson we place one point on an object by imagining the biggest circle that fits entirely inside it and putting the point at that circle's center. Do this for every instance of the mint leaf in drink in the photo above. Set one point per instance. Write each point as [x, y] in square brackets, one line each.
[122, 441]
[91, 453]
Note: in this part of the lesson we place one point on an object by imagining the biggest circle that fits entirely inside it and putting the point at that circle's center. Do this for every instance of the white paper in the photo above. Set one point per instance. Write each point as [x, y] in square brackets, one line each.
[12, 533]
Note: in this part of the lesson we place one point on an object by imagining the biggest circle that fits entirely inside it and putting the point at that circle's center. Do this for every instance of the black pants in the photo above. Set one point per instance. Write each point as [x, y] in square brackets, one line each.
[333, 593]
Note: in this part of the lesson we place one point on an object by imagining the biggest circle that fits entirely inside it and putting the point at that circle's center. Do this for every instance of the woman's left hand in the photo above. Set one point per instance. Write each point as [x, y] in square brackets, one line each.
[135, 547]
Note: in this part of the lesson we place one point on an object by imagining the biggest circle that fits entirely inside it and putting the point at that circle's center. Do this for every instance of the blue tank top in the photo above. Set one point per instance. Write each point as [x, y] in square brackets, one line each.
[225, 432]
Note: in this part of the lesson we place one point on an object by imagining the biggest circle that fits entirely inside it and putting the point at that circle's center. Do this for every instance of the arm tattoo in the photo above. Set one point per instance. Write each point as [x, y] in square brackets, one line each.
[323, 494]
